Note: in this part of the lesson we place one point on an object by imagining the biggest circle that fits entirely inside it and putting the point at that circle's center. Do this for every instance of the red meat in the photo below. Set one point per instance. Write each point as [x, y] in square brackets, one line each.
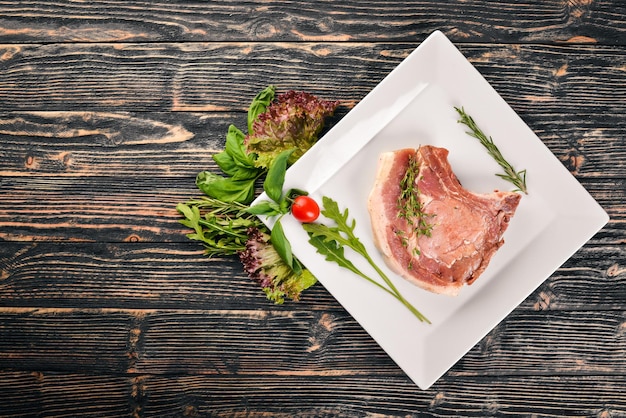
[466, 228]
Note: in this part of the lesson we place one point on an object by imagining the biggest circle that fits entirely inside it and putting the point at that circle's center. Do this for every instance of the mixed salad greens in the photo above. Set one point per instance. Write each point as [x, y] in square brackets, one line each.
[281, 128]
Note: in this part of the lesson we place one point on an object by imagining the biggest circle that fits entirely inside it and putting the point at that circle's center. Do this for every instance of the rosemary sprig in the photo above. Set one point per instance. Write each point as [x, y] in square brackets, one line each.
[517, 178]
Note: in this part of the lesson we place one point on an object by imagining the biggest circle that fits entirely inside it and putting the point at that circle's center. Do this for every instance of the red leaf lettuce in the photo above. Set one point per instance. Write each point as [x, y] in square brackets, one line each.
[293, 121]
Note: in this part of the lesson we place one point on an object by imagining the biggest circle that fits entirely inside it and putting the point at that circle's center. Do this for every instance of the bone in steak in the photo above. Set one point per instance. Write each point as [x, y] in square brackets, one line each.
[466, 228]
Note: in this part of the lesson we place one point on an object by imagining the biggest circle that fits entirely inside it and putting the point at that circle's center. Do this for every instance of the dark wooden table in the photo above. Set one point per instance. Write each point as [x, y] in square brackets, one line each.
[110, 108]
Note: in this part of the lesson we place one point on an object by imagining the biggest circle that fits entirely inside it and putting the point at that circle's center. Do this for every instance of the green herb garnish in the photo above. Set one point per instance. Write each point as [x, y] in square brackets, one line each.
[221, 226]
[517, 178]
[241, 172]
[410, 207]
[273, 186]
[331, 241]
[259, 104]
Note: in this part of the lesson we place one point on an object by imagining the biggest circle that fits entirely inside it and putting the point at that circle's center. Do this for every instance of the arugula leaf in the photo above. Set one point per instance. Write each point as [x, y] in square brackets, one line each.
[330, 242]
[331, 211]
[221, 227]
[192, 217]
[332, 250]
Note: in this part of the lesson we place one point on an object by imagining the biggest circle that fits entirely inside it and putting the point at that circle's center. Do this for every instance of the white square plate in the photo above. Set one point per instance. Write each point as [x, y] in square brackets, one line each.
[414, 105]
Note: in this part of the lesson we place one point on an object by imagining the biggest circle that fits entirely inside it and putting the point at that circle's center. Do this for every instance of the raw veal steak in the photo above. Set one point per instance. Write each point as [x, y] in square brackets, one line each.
[461, 230]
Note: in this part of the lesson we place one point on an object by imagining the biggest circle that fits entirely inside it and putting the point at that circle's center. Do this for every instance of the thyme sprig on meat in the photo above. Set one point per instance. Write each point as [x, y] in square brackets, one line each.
[517, 178]
[409, 204]
[410, 207]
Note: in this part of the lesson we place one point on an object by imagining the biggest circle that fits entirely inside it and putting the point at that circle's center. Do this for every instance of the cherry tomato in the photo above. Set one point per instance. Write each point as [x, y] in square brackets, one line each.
[305, 209]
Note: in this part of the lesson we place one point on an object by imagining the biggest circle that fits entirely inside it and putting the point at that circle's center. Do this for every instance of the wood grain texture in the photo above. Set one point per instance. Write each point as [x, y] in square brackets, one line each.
[66, 340]
[556, 21]
[152, 276]
[303, 396]
[291, 343]
[109, 109]
[580, 79]
[31, 394]
[360, 396]
[88, 144]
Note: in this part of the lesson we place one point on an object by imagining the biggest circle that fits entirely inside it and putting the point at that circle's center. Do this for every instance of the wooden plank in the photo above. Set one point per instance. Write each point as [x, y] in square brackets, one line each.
[333, 344]
[554, 79]
[21, 394]
[587, 145]
[191, 77]
[64, 395]
[150, 276]
[292, 343]
[33, 394]
[93, 208]
[384, 396]
[85, 144]
[62, 340]
[505, 21]
[137, 275]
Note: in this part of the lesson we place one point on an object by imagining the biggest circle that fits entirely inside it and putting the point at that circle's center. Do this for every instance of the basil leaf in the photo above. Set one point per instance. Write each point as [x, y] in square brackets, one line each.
[276, 207]
[225, 162]
[231, 168]
[225, 189]
[259, 104]
[281, 244]
[236, 149]
[263, 208]
[247, 174]
[275, 179]
[298, 270]
[293, 193]
[284, 206]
